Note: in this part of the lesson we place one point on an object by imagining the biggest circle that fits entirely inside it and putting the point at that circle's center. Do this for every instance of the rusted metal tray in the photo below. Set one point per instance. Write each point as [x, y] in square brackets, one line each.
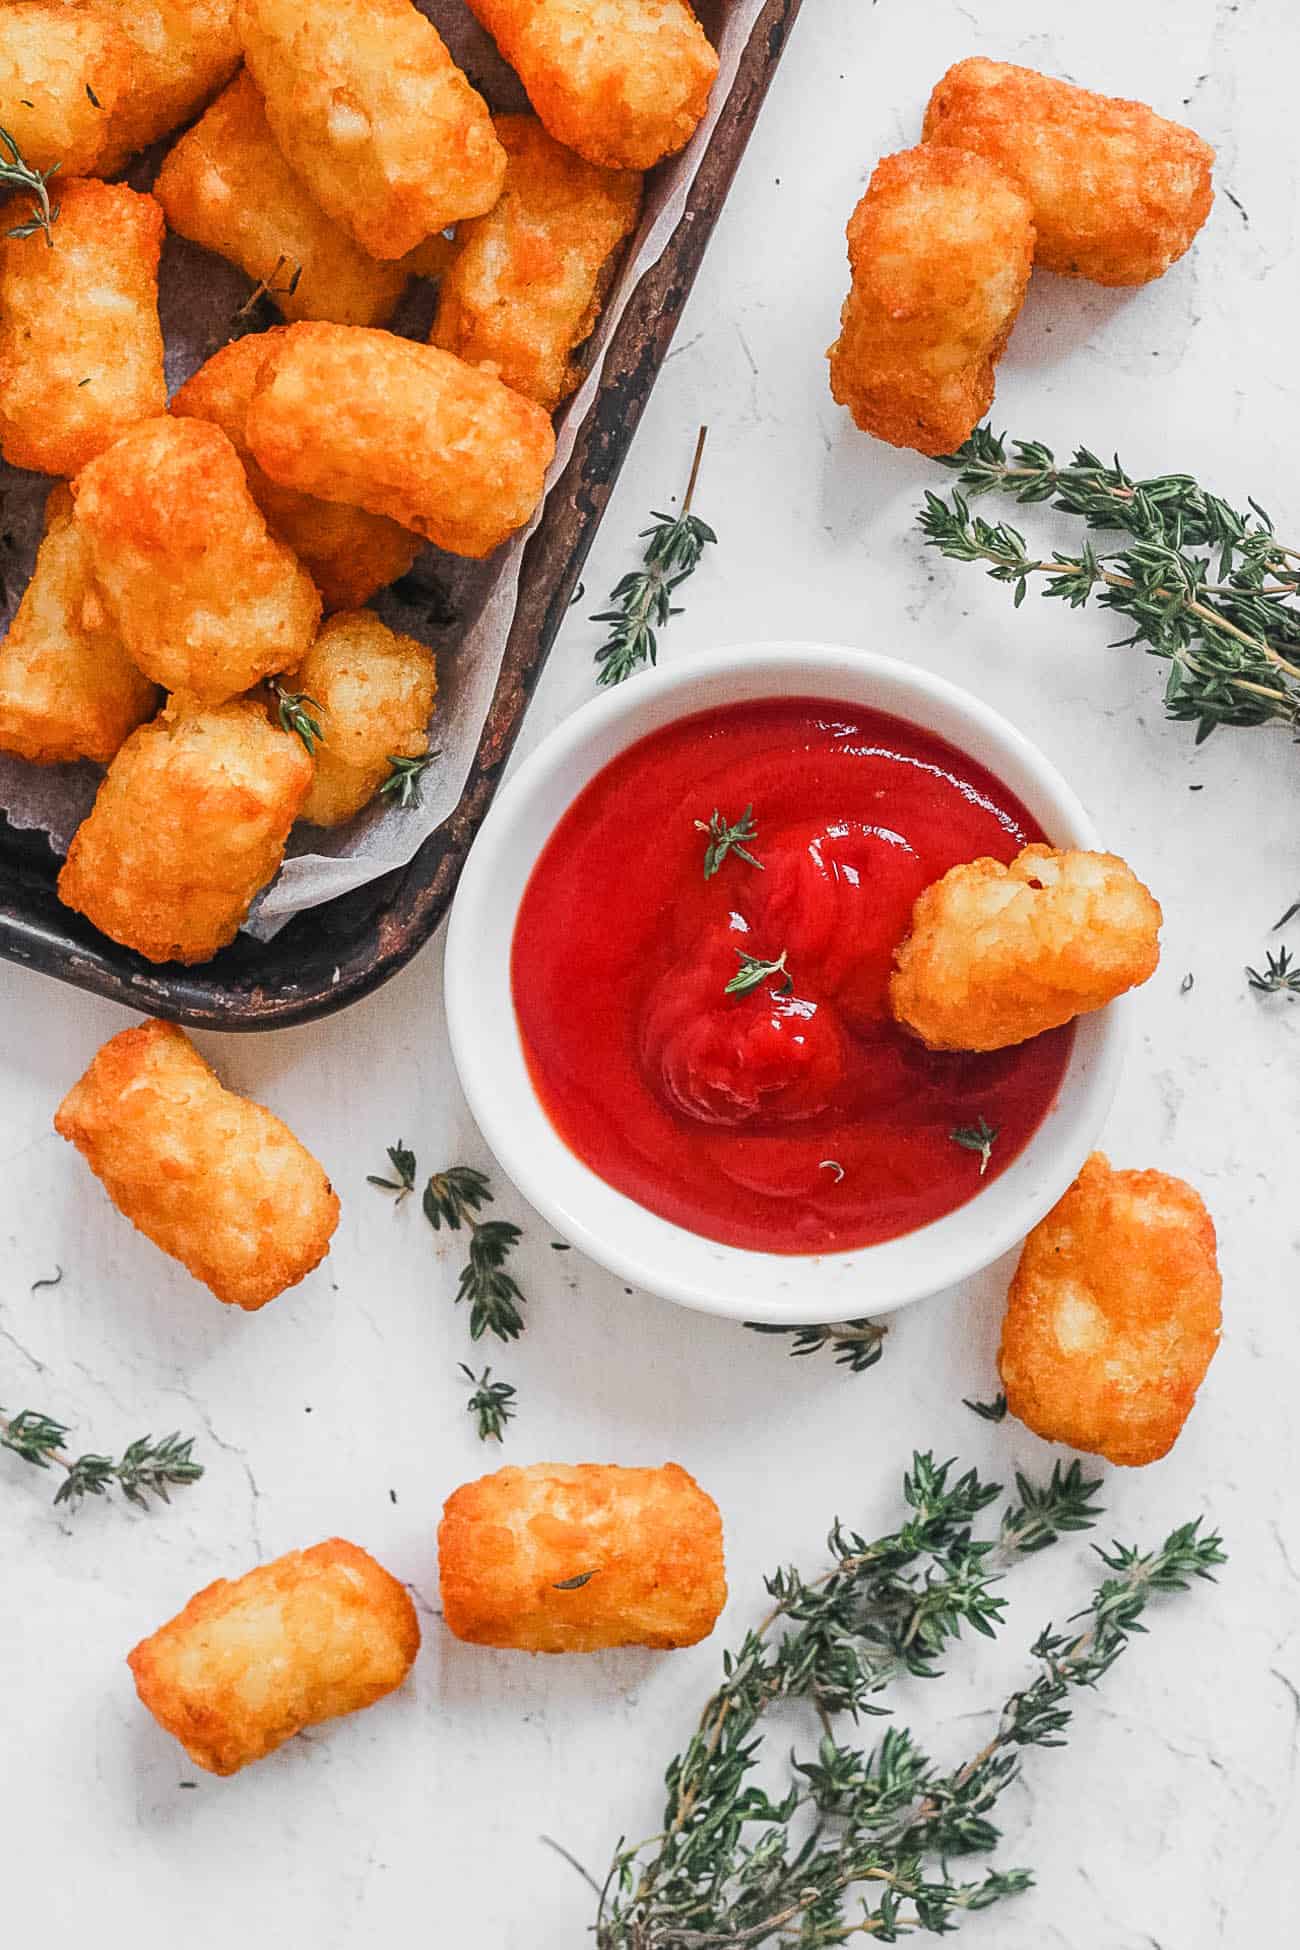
[333, 954]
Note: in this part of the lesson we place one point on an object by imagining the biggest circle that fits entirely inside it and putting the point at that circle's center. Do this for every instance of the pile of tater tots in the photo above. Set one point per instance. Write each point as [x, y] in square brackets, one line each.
[212, 557]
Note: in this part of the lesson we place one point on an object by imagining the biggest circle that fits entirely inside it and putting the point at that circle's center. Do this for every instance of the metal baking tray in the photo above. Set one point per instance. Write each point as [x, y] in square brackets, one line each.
[333, 954]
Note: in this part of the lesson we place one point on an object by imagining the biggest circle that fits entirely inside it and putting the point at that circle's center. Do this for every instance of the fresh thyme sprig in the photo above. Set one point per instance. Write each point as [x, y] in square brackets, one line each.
[642, 603]
[733, 1866]
[404, 783]
[451, 1198]
[753, 972]
[1208, 588]
[145, 1468]
[725, 838]
[492, 1403]
[857, 1344]
[979, 1137]
[1281, 975]
[295, 716]
[15, 174]
[403, 1180]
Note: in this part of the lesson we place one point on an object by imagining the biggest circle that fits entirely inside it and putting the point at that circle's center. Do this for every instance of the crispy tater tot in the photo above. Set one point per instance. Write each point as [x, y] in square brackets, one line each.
[226, 186]
[81, 349]
[940, 250]
[182, 52]
[375, 690]
[556, 1558]
[68, 689]
[624, 82]
[524, 287]
[998, 953]
[250, 1663]
[1117, 192]
[63, 70]
[1113, 1314]
[406, 430]
[187, 828]
[349, 553]
[213, 1179]
[207, 601]
[374, 115]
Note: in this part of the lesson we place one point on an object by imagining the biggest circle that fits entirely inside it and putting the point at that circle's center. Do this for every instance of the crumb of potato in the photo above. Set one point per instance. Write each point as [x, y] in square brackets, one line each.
[1113, 1315]
[997, 953]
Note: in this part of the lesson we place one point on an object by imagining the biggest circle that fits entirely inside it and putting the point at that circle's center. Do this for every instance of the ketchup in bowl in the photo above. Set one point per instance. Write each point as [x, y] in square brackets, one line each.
[721, 1049]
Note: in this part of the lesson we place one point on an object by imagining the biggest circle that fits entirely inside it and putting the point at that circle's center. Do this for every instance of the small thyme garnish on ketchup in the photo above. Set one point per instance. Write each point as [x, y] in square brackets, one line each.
[753, 973]
[725, 839]
[979, 1137]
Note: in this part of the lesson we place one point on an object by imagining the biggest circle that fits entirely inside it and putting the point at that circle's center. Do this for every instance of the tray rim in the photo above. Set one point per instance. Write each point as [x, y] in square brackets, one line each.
[407, 905]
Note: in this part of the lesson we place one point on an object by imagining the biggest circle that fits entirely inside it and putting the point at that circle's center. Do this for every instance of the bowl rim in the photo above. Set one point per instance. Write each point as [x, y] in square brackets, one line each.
[704, 1274]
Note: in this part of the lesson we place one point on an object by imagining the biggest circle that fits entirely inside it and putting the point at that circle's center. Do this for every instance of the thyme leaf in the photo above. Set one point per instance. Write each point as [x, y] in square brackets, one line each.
[406, 778]
[725, 838]
[856, 1344]
[980, 1137]
[753, 972]
[451, 1198]
[15, 174]
[1281, 975]
[296, 716]
[642, 602]
[492, 1403]
[403, 1180]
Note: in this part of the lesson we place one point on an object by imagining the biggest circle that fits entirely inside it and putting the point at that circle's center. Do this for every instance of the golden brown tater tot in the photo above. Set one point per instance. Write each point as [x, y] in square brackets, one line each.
[940, 249]
[349, 553]
[998, 954]
[68, 690]
[187, 828]
[375, 690]
[1117, 192]
[63, 70]
[81, 349]
[624, 82]
[639, 1550]
[204, 597]
[524, 286]
[226, 186]
[182, 52]
[251, 1662]
[374, 115]
[406, 430]
[1113, 1314]
[213, 1179]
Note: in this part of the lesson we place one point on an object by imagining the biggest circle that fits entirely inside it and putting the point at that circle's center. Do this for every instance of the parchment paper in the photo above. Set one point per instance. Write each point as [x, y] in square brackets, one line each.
[463, 609]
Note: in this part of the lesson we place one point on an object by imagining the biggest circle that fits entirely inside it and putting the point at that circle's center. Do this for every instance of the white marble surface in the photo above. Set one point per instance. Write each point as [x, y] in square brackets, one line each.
[1170, 1820]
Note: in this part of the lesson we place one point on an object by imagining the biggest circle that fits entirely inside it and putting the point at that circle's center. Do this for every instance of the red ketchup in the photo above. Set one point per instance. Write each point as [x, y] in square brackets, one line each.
[794, 1115]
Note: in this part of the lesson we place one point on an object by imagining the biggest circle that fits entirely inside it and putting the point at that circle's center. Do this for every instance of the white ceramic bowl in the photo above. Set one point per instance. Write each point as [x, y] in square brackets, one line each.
[652, 1252]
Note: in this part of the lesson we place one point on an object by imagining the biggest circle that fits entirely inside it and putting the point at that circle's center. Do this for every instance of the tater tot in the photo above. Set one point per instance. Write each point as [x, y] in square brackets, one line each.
[624, 82]
[212, 1178]
[1113, 1314]
[63, 70]
[576, 1559]
[349, 553]
[375, 690]
[207, 601]
[182, 52]
[940, 250]
[998, 953]
[187, 828]
[374, 115]
[226, 186]
[524, 286]
[68, 690]
[1117, 192]
[81, 349]
[406, 430]
[250, 1663]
